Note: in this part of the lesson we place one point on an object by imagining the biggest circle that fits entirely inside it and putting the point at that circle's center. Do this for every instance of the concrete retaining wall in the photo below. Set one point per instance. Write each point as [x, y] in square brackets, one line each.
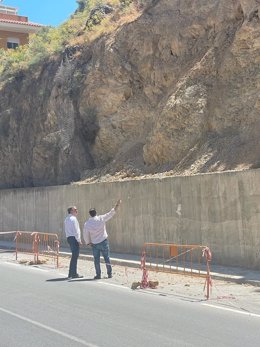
[219, 210]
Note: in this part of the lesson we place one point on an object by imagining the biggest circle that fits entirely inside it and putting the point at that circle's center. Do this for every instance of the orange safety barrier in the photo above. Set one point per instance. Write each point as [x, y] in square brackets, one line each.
[37, 243]
[173, 258]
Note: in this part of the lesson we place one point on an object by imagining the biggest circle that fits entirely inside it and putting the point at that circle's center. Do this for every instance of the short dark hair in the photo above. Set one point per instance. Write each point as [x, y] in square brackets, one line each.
[93, 212]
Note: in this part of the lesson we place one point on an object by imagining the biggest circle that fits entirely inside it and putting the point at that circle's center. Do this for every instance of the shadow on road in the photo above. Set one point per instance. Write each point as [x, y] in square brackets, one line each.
[70, 280]
[57, 279]
[82, 280]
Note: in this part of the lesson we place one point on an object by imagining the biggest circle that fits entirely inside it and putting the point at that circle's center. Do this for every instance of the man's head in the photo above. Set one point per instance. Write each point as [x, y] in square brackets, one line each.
[72, 210]
[93, 212]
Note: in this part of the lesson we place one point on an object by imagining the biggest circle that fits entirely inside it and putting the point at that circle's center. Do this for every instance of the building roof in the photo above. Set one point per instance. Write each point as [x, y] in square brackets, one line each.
[19, 22]
[11, 21]
[19, 26]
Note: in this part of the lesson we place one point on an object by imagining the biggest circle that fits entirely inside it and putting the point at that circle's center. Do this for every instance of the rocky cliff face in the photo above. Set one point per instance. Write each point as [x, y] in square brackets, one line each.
[175, 90]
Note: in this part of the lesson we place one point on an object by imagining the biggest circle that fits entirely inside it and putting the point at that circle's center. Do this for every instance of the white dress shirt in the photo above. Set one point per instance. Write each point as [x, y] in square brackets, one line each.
[95, 228]
[71, 226]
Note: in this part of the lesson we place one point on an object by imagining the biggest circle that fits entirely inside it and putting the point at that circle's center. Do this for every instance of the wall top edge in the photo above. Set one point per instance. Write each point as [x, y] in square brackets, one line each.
[157, 178]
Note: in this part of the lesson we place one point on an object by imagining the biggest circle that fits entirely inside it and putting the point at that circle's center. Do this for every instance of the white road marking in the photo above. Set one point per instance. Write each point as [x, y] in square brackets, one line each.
[232, 310]
[37, 268]
[31, 267]
[63, 275]
[71, 337]
[112, 284]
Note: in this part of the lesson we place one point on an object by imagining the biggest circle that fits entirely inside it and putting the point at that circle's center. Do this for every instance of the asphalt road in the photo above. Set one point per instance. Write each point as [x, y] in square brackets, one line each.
[41, 308]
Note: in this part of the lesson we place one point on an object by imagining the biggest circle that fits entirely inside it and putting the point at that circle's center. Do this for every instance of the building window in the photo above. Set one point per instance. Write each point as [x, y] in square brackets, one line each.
[12, 43]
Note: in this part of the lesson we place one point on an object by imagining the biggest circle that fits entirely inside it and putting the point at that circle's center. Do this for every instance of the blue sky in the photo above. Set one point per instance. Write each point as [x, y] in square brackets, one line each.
[47, 12]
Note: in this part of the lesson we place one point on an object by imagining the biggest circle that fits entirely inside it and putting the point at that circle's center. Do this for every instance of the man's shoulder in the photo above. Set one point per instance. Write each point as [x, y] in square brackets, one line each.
[72, 218]
[93, 220]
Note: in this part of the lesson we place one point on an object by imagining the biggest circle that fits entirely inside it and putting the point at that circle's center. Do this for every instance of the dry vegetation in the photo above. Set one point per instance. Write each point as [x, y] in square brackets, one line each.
[50, 41]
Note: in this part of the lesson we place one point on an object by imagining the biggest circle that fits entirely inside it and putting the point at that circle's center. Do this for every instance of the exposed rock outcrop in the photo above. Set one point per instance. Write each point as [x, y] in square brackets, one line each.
[177, 89]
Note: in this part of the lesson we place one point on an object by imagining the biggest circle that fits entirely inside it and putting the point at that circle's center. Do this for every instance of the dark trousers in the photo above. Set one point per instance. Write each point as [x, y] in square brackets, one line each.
[102, 247]
[74, 246]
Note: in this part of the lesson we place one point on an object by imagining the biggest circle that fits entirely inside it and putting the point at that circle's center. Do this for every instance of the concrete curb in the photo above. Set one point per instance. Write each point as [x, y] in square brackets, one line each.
[114, 261]
[136, 264]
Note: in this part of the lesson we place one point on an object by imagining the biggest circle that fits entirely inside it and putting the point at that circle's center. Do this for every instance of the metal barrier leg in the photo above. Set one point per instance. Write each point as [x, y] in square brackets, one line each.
[36, 248]
[16, 246]
[208, 283]
[57, 252]
[144, 282]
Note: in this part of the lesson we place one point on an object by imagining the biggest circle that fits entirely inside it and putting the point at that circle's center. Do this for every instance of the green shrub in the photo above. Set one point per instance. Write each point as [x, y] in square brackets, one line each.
[50, 40]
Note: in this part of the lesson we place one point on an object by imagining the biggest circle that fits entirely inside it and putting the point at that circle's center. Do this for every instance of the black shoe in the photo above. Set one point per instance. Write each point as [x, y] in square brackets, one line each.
[109, 276]
[77, 276]
[97, 277]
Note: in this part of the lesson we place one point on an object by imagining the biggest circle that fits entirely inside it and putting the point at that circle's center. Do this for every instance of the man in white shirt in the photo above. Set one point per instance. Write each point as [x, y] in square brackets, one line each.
[95, 234]
[72, 231]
